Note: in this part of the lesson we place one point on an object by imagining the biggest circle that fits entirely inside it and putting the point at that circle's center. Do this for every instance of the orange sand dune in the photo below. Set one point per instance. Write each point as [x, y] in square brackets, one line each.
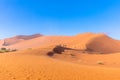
[94, 42]
[84, 58]
[27, 67]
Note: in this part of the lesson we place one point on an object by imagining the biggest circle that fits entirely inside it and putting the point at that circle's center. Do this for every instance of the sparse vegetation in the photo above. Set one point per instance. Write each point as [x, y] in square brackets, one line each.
[58, 49]
[100, 63]
[14, 50]
[101, 53]
[5, 50]
[50, 53]
[72, 54]
[30, 48]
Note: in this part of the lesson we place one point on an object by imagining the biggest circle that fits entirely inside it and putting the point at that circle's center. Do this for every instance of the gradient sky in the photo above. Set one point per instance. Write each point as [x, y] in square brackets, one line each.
[59, 17]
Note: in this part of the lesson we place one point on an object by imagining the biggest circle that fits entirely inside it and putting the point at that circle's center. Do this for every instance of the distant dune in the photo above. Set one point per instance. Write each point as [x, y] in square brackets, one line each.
[19, 38]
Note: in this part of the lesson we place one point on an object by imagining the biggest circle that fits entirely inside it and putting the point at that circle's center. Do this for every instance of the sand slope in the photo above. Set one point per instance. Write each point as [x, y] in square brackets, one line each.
[76, 56]
[27, 67]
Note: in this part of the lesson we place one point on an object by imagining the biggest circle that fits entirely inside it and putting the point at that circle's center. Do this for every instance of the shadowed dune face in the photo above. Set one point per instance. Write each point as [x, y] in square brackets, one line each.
[103, 44]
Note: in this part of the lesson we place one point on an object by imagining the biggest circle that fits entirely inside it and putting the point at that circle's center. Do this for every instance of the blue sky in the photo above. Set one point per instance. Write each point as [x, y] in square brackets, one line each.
[59, 17]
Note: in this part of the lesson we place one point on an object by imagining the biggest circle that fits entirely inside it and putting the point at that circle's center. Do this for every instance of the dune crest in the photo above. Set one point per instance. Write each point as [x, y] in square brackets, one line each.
[19, 38]
[104, 44]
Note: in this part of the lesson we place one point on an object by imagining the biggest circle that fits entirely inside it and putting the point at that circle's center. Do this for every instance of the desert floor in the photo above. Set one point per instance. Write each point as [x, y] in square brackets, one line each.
[35, 67]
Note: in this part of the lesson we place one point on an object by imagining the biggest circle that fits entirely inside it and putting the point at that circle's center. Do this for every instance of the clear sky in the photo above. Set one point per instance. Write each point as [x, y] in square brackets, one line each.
[59, 17]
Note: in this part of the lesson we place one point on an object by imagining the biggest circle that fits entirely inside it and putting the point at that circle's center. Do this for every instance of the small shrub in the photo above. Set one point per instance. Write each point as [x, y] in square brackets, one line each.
[58, 49]
[101, 53]
[30, 48]
[7, 50]
[3, 49]
[72, 54]
[14, 50]
[100, 63]
[50, 53]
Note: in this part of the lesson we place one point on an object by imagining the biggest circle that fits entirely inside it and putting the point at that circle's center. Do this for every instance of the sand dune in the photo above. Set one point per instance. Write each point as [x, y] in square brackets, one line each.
[103, 44]
[19, 38]
[94, 42]
[84, 58]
